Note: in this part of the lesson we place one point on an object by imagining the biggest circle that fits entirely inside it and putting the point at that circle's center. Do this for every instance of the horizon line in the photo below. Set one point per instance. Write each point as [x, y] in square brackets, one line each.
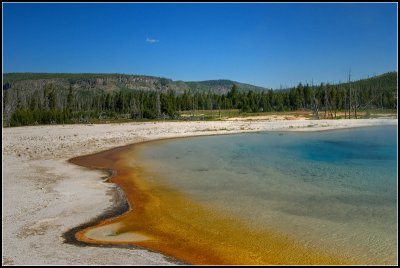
[282, 86]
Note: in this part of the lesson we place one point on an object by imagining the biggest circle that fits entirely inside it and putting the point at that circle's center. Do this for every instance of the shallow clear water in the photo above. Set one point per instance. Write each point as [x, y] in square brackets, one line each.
[335, 190]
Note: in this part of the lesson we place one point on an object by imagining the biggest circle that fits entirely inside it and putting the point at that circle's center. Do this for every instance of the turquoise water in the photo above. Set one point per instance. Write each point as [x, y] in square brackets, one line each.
[335, 190]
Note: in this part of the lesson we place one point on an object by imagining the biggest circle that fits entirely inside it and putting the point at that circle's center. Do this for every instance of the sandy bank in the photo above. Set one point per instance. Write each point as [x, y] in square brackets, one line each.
[44, 195]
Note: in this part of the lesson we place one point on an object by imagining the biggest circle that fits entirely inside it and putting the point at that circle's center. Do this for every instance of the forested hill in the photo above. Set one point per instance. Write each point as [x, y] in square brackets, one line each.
[72, 98]
[115, 82]
[221, 86]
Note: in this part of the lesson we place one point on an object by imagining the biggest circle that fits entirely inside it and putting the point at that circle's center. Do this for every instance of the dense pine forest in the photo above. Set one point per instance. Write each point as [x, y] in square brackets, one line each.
[31, 99]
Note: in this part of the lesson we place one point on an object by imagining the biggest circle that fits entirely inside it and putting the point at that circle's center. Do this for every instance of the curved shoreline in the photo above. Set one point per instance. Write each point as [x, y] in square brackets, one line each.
[82, 234]
[191, 252]
[119, 207]
[120, 204]
[37, 171]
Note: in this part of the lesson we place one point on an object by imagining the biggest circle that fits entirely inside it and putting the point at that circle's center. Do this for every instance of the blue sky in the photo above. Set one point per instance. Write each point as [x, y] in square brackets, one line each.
[262, 44]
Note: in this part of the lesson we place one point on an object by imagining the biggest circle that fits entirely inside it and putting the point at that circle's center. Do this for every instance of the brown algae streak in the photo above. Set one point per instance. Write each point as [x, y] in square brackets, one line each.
[165, 220]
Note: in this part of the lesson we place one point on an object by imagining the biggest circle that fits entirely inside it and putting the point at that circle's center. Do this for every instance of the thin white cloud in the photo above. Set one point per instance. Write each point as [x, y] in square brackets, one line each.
[151, 41]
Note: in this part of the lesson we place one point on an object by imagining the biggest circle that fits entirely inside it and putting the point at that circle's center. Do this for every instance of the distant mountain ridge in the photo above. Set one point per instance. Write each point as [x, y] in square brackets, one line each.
[114, 82]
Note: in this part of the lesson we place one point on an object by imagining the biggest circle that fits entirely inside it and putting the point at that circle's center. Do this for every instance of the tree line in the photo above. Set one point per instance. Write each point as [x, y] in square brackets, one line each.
[55, 105]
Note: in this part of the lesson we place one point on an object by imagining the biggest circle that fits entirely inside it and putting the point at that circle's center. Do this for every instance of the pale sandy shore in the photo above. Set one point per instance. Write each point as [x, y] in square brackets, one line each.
[44, 196]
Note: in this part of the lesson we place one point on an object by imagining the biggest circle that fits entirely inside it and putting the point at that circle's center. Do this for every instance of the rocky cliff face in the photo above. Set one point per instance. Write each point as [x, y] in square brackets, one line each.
[107, 83]
[114, 82]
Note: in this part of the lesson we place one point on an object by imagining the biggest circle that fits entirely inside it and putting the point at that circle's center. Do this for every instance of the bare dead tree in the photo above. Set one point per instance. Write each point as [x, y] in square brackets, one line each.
[328, 103]
[345, 104]
[326, 99]
[210, 105]
[355, 101]
[192, 108]
[349, 93]
[9, 105]
[158, 102]
[315, 106]
[133, 107]
[141, 105]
